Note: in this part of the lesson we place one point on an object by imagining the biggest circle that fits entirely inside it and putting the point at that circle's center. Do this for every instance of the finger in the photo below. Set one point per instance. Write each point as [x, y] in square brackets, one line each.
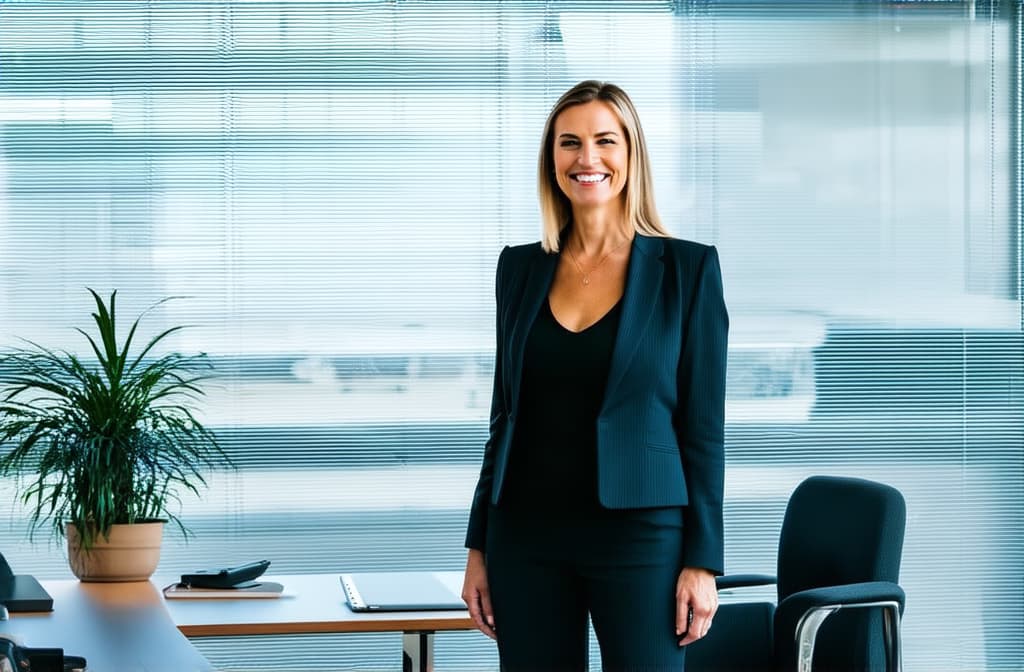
[703, 606]
[698, 629]
[478, 611]
[473, 604]
[488, 610]
[684, 615]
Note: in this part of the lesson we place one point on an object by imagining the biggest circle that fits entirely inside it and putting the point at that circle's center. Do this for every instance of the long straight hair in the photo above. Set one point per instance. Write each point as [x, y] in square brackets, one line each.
[555, 208]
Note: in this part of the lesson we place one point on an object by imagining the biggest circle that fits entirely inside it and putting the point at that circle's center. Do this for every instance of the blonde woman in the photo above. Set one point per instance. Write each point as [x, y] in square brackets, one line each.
[601, 487]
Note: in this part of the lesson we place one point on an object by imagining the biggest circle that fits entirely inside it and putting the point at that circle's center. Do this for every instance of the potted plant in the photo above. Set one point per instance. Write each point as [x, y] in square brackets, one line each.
[107, 447]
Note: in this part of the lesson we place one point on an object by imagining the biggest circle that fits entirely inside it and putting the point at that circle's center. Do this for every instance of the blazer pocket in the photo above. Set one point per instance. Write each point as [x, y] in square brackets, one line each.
[664, 447]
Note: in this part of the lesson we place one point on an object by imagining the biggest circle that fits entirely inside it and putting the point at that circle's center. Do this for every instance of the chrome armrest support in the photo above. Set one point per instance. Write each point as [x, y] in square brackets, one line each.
[811, 621]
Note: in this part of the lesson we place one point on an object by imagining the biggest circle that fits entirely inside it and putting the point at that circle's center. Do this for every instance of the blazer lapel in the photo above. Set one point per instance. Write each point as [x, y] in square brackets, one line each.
[538, 283]
[643, 283]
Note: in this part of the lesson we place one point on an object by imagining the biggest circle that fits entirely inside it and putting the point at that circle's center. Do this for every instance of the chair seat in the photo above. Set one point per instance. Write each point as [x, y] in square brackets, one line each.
[839, 600]
[740, 640]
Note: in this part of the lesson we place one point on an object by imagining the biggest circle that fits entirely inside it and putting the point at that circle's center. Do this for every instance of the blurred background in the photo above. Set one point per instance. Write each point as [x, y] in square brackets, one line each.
[330, 184]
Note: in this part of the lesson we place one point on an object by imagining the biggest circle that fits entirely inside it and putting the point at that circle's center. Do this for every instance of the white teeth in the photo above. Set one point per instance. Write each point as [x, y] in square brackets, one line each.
[589, 178]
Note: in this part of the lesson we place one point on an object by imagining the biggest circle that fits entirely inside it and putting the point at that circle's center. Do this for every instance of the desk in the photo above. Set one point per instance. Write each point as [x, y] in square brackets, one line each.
[121, 627]
[116, 626]
[315, 603]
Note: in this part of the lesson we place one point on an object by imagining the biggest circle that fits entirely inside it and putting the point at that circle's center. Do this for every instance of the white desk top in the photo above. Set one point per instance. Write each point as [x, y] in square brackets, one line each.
[118, 627]
[311, 603]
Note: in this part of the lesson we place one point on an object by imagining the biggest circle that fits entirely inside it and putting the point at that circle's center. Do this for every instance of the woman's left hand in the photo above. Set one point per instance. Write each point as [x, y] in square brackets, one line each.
[696, 603]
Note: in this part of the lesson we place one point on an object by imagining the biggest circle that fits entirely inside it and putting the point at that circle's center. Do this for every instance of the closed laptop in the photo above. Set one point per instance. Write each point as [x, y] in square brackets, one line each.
[399, 591]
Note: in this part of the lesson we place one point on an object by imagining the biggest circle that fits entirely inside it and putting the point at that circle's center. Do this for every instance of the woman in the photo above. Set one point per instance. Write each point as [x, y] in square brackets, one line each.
[601, 486]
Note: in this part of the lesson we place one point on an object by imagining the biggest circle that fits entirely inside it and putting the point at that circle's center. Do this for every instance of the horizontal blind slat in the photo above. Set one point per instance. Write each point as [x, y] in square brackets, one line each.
[331, 183]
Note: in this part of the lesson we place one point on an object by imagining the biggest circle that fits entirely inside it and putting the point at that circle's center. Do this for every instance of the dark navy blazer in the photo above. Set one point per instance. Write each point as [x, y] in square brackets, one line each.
[660, 431]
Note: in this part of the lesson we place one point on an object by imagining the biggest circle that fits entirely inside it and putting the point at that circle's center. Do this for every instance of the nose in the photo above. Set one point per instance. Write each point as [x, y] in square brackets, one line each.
[586, 156]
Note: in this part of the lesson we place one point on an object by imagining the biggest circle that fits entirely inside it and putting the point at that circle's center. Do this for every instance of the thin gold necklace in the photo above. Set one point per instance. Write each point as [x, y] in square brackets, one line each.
[585, 275]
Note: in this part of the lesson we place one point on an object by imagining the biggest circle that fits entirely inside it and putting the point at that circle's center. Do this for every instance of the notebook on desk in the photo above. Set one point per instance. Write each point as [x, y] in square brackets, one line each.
[21, 592]
[24, 593]
[398, 591]
[255, 590]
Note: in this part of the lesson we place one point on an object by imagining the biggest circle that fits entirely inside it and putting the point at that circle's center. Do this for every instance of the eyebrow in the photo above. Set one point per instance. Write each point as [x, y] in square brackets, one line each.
[598, 135]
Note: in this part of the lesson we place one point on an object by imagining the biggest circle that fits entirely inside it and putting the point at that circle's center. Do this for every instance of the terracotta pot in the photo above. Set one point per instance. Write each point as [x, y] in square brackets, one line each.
[130, 554]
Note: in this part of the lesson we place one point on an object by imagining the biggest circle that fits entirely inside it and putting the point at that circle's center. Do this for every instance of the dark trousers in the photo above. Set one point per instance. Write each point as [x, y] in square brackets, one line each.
[548, 569]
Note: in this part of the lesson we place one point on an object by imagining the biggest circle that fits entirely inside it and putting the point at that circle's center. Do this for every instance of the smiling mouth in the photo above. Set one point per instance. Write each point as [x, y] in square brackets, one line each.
[589, 178]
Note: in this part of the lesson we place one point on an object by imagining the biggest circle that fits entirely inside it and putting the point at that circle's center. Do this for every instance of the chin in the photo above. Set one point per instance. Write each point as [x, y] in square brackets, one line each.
[594, 201]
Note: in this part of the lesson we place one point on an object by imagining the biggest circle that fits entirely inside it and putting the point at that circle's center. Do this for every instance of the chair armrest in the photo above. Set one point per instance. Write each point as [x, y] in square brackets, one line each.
[848, 595]
[743, 581]
[799, 616]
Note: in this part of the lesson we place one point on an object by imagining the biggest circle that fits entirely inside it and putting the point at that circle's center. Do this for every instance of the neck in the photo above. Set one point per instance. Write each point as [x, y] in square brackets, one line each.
[595, 232]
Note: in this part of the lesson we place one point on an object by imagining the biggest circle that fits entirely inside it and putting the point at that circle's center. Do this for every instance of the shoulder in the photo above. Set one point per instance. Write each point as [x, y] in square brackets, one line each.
[686, 249]
[521, 253]
[516, 258]
[683, 253]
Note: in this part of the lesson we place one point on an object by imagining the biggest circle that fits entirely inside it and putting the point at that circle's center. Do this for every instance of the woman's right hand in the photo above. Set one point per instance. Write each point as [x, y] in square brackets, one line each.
[476, 594]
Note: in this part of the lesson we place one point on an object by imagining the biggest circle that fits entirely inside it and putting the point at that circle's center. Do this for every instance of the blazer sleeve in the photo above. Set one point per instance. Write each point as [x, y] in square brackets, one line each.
[700, 418]
[476, 533]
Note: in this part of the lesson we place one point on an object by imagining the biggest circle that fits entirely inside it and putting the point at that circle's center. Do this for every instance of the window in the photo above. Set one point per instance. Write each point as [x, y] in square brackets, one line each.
[331, 182]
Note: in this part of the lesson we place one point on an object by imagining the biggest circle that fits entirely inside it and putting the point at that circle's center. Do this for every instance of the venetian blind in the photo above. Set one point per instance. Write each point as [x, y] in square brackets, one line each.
[329, 183]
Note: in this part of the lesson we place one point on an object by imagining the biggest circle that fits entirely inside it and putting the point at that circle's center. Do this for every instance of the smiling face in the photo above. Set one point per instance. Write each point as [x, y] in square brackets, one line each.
[591, 155]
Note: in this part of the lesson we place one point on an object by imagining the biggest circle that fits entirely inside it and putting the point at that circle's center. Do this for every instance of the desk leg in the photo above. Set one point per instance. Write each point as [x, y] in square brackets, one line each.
[418, 651]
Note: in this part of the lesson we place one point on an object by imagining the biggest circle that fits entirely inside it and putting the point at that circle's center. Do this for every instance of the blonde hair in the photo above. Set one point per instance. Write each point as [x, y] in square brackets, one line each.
[555, 208]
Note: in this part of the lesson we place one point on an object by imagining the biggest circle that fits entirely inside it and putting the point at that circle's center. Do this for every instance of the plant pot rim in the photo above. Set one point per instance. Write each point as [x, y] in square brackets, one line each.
[140, 521]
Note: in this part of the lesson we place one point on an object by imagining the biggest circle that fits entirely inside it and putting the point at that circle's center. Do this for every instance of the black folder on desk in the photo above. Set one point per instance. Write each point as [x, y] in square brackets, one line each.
[22, 592]
[398, 591]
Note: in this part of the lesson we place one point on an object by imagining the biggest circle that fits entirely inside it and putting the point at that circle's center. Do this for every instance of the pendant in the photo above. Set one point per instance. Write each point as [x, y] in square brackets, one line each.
[586, 279]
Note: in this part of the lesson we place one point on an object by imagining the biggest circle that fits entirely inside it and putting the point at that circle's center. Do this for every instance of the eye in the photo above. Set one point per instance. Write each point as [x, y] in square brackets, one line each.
[569, 143]
[606, 141]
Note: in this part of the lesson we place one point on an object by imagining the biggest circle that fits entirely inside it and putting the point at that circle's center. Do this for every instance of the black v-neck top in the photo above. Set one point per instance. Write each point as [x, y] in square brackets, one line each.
[554, 450]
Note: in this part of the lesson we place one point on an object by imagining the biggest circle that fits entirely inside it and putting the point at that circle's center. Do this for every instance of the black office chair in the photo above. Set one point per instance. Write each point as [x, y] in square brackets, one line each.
[839, 602]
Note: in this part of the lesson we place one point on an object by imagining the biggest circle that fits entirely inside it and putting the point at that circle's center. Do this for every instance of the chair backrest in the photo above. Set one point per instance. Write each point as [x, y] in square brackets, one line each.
[840, 530]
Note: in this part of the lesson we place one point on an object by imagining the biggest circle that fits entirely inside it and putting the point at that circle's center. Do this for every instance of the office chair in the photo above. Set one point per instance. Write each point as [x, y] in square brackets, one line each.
[839, 602]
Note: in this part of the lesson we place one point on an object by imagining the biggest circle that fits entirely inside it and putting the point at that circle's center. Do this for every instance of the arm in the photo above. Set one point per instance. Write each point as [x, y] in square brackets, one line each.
[700, 427]
[476, 534]
[475, 589]
[700, 418]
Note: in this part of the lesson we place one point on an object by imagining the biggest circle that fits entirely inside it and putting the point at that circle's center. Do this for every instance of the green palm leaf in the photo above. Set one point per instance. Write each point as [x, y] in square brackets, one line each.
[111, 443]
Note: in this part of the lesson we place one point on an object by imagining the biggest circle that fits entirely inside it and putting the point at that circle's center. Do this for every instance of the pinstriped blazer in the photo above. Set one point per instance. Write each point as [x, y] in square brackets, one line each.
[660, 430]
